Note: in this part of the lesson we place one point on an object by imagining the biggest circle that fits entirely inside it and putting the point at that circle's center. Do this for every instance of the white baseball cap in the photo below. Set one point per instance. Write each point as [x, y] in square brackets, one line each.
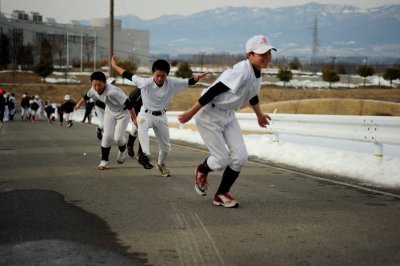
[67, 97]
[110, 80]
[259, 44]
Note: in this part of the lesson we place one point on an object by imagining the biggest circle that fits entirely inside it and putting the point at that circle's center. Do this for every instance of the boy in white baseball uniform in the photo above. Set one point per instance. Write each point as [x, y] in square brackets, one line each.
[218, 125]
[99, 110]
[118, 112]
[156, 92]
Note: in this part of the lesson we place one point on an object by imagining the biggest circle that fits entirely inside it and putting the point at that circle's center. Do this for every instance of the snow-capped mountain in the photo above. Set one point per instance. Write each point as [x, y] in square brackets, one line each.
[342, 30]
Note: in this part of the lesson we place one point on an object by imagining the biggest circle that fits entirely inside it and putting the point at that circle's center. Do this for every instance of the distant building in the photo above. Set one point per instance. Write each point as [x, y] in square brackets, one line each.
[86, 42]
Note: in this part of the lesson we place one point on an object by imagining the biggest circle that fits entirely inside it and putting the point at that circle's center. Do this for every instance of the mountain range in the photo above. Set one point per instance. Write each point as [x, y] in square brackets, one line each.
[334, 30]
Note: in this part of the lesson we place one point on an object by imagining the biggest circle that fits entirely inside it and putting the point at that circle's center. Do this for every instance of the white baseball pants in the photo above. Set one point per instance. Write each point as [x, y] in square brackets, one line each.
[221, 132]
[67, 117]
[24, 113]
[161, 130]
[115, 125]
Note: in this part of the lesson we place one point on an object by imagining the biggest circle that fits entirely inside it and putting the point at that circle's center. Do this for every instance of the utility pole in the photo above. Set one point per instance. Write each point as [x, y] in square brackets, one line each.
[67, 60]
[110, 71]
[81, 52]
[314, 46]
[333, 62]
[94, 51]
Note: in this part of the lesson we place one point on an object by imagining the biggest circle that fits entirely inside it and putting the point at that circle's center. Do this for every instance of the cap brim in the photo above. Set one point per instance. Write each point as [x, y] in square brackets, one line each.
[264, 49]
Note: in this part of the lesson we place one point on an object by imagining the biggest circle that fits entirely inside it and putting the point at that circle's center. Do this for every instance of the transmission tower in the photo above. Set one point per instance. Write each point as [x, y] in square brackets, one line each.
[314, 51]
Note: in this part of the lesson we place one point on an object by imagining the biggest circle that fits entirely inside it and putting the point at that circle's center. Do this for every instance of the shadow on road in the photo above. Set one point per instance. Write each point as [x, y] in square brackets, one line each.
[37, 227]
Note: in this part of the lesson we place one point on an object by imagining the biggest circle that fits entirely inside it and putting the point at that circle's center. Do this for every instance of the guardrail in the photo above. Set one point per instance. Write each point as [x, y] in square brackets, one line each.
[378, 130]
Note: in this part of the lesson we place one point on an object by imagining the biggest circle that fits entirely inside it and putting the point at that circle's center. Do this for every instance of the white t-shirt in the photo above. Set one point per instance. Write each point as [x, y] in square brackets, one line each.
[242, 83]
[112, 96]
[157, 98]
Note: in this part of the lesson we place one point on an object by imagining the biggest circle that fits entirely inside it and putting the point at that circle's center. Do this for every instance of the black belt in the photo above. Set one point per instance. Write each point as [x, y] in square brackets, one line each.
[156, 113]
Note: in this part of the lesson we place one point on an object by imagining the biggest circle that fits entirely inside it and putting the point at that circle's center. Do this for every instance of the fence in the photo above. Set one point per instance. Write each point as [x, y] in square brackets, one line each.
[378, 130]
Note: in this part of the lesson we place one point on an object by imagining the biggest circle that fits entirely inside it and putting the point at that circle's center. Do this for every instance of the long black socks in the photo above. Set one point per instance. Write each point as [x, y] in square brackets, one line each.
[105, 152]
[204, 168]
[228, 178]
[122, 148]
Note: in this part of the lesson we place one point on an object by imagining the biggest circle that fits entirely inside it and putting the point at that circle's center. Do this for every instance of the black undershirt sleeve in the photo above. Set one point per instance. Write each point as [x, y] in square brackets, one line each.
[127, 75]
[86, 98]
[192, 81]
[255, 100]
[212, 93]
[128, 104]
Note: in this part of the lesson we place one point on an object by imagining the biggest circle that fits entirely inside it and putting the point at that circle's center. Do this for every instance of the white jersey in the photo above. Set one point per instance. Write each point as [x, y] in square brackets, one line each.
[112, 96]
[155, 97]
[242, 83]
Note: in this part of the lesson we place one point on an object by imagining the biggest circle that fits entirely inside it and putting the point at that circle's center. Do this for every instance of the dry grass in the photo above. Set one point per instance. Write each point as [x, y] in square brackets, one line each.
[332, 106]
[360, 101]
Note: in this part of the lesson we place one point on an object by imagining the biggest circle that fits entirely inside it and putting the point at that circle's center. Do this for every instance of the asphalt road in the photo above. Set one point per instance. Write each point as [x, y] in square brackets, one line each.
[56, 208]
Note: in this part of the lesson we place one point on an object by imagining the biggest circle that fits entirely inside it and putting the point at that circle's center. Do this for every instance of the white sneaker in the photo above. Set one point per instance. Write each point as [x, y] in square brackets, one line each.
[163, 169]
[121, 157]
[225, 200]
[103, 165]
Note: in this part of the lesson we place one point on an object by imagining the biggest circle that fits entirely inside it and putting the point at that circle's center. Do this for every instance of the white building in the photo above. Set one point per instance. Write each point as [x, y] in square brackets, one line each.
[75, 42]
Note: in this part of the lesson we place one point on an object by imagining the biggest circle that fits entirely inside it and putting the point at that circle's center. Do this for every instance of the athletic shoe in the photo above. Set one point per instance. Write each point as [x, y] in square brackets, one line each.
[99, 133]
[131, 152]
[163, 169]
[225, 200]
[139, 154]
[69, 124]
[121, 157]
[103, 165]
[200, 182]
[145, 161]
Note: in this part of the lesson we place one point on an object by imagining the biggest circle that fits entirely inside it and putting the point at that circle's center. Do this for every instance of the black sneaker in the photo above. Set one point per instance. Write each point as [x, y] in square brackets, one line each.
[99, 133]
[131, 152]
[145, 161]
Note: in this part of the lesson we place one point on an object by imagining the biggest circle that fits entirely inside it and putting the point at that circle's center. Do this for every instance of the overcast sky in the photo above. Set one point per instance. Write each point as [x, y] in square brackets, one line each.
[65, 10]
